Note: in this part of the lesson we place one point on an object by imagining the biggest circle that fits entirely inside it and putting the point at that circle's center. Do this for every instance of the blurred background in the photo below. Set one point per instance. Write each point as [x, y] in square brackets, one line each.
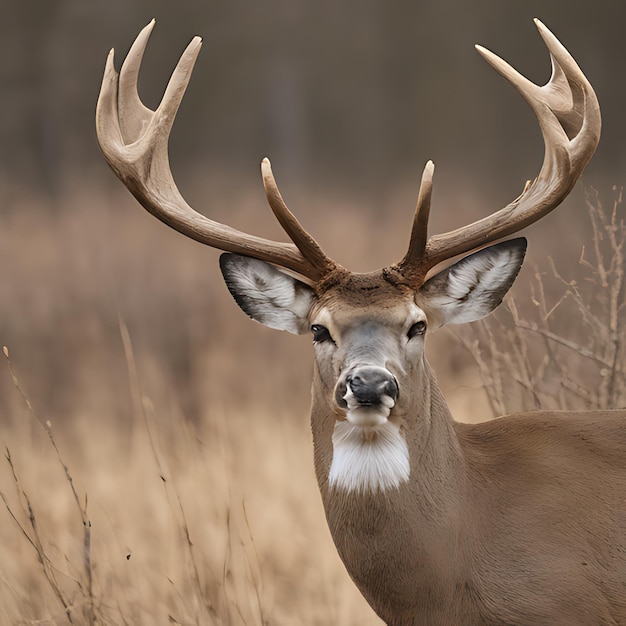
[106, 311]
[350, 96]
[348, 99]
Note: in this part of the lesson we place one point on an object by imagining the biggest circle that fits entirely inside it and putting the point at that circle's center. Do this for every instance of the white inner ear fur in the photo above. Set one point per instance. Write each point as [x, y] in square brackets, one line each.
[473, 287]
[266, 294]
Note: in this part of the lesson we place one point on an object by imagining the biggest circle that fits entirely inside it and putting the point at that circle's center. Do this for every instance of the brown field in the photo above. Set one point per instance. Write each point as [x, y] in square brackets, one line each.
[158, 460]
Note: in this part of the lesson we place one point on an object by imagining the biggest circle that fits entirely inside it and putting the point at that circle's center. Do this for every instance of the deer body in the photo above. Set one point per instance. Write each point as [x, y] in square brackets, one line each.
[464, 553]
[484, 532]
[520, 521]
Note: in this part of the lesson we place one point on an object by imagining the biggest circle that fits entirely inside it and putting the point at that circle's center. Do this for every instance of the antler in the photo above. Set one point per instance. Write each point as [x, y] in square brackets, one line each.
[565, 107]
[134, 141]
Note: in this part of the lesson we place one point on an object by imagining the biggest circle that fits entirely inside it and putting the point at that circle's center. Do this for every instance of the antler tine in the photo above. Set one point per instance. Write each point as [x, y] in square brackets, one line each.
[134, 116]
[309, 248]
[412, 264]
[566, 104]
[134, 141]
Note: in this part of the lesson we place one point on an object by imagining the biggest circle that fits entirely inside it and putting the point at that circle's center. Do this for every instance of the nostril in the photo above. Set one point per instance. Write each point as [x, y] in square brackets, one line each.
[390, 388]
[340, 392]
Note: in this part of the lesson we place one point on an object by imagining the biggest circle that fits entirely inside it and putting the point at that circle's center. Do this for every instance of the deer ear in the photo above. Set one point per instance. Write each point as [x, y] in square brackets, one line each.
[474, 286]
[266, 294]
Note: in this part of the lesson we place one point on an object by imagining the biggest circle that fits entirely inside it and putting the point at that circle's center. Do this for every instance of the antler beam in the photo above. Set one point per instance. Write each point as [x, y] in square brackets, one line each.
[134, 141]
[566, 104]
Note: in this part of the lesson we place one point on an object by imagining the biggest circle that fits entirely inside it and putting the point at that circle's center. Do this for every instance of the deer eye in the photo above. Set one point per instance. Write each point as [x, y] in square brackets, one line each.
[419, 328]
[320, 333]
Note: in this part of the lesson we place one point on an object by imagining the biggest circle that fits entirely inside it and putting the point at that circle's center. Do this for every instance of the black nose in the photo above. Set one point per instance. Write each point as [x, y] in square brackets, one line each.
[370, 384]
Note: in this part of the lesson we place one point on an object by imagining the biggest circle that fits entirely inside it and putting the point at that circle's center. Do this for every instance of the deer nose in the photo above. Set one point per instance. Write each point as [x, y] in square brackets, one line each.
[368, 386]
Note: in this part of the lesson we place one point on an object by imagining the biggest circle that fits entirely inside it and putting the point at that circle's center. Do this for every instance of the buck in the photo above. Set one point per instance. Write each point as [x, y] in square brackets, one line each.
[520, 520]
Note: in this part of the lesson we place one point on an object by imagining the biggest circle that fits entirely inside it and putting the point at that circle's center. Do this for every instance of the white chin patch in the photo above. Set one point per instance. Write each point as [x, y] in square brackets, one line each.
[368, 459]
[368, 416]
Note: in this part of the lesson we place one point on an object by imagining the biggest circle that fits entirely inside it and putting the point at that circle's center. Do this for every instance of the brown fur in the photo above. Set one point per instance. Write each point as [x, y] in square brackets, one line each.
[518, 521]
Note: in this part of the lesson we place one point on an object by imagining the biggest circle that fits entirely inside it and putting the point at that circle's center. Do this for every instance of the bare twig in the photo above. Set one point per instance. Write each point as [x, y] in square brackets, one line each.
[582, 366]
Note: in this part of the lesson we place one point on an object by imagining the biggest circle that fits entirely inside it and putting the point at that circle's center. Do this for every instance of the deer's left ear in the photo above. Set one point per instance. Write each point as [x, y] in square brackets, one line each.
[474, 286]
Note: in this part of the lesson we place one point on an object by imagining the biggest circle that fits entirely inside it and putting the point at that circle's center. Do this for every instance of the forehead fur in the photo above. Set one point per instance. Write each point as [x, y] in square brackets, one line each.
[381, 289]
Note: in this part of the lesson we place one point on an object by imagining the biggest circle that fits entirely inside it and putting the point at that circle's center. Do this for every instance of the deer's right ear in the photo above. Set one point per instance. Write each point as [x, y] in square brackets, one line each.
[266, 294]
[474, 286]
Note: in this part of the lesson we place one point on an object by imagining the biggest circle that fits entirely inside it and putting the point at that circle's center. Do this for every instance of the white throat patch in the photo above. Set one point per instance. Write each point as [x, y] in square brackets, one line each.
[368, 459]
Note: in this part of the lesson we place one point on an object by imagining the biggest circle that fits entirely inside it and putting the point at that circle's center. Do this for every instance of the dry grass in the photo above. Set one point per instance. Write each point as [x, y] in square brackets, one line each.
[183, 489]
[158, 465]
[184, 524]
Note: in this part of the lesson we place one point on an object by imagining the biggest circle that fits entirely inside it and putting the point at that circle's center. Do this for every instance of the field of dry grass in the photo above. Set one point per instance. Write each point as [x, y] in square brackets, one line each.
[193, 524]
[157, 460]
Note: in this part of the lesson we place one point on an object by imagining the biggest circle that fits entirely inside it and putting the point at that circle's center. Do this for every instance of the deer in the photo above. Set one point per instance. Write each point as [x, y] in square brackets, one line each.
[519, 520]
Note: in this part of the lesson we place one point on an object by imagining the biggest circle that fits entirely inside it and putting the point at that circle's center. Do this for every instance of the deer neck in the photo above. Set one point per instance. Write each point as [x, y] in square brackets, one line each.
[397, 542]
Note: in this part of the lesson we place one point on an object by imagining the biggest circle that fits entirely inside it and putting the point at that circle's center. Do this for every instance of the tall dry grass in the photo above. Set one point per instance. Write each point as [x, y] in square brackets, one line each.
[157, 465]
[174, 523]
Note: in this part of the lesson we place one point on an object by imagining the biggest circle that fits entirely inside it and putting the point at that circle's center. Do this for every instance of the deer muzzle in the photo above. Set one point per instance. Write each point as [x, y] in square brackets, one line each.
[368, 393]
